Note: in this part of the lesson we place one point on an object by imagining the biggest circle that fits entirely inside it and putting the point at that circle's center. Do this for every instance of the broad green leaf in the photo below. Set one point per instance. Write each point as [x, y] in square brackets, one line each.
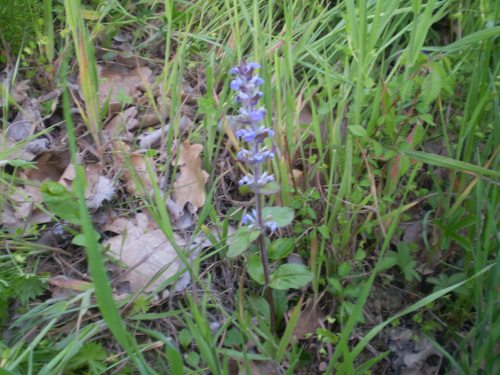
[291, 276]
[185, 337]
[174, 359]
[80, 239]
[243, 238]
[281, 248]
[255, 268]
[60, 201]
[270, 188]
[357, 130]
[282, 216]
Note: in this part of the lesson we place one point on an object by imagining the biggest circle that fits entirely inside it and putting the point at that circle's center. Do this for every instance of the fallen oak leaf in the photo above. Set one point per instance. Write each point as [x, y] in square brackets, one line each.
[147, 253]
[189, 185]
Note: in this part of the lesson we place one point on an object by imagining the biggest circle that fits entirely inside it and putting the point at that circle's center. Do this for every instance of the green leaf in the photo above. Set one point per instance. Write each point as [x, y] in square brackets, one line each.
[185, 337]
[80, 239]
[270, 188]
[431, 88]
[193, 359]
[291, 276]
[255, 268]
[60, 201]
[281, 248]
[282, 216]
[174, 359]
[357, 130]
[445, 162]
[427, 117]
[242, 240]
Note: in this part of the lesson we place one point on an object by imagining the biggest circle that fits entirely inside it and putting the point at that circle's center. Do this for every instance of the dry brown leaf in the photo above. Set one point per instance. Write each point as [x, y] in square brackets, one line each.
[13, 151]
[63, 287]
[66, 282]
[145, 251]
[49, 166]
[189, 185]
[99, 187]
[181, 219]
[135, 167]
[21, 207]
[121, 124]
[116, 85]
[20, 90]
[310, 319]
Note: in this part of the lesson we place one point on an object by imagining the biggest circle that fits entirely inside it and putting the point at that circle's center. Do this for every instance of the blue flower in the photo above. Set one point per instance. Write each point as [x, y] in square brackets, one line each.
[272, 225]
[252, 182]
[251, 115]
[236, 83]
[249, 218]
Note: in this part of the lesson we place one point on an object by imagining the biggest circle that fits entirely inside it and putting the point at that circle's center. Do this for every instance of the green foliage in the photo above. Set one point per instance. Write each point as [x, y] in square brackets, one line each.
[19, 22]
[404, 260]
[90, 359]
[282, 216]
[242, 240]
[16, 285]
[290, 276]
[61, 202]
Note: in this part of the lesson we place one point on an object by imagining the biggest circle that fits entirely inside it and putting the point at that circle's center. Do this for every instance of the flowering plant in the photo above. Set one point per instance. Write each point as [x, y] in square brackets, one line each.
[261, 220]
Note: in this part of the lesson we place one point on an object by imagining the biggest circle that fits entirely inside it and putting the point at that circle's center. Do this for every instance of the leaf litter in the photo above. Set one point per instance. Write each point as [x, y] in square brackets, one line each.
[144, 249]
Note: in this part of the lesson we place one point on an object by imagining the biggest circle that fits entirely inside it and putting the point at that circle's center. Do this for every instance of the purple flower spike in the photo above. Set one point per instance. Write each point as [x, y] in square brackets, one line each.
[254, 133]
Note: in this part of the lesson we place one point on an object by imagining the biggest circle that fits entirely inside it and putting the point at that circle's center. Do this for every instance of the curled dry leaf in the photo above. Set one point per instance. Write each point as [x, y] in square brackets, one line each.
[189, 185]
[145, 250]
[181, 219]
[119, 86]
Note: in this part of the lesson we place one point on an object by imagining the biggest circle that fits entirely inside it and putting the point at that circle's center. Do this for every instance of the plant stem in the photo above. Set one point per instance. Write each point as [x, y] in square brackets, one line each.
[265, 263]
[262, 245]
